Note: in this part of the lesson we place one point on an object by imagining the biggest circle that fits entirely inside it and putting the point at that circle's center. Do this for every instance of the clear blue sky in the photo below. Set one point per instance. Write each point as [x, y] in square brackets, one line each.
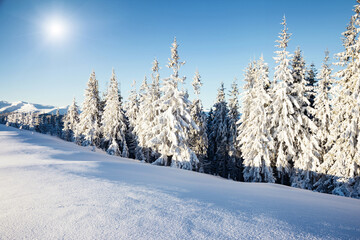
[217, 37]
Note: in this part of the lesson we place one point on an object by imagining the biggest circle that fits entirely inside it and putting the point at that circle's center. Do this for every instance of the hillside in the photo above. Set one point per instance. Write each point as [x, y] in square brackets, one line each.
[53, 189]
[26, 107]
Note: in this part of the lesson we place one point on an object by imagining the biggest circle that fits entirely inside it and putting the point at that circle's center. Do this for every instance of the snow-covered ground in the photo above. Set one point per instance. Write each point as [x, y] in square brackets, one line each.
[51, 189]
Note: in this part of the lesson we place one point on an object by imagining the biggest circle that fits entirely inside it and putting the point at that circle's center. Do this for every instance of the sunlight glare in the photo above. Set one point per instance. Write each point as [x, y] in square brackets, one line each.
[56, 29]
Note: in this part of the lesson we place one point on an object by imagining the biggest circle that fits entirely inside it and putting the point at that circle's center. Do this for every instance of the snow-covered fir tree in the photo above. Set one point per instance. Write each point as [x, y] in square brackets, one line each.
[149, 109]
[255, 140]
[323, 116]
[173, 124]
[155, 85]
[153, 109]
[250, 73]
[341, 162]
[323, 105]
[311, 82]
[298, 67]
[207, 163]
[58, 123]
[88, 128]
[113, 122]
[132, 112]
[218, 136]
[294, 145]
[234, 165]
[198, 140]
[144, 124]
[71, 119]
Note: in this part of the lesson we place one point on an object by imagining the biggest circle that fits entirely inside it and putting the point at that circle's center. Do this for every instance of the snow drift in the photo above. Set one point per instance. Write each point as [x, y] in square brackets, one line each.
[53, 189]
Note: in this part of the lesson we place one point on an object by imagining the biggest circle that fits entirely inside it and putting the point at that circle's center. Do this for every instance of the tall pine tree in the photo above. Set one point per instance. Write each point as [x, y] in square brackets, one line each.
[218, 136]
[174, 122]
[341, 163]
[234, 165]
[71, 120]
[295, 146]
[88, 128]
[255, 140]
[198, 140]
[323, 117]
[132, 112]
[113, 122]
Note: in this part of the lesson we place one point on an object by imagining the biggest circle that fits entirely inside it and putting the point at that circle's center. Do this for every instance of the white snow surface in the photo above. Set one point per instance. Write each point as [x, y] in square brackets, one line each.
[26, 107]
[52, 189]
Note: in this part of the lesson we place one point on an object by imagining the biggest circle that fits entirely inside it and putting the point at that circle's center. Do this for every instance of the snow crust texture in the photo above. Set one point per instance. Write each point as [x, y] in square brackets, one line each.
[51, 189]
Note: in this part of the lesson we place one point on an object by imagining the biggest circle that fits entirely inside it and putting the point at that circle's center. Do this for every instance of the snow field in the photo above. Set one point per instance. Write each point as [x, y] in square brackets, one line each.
[51, 189]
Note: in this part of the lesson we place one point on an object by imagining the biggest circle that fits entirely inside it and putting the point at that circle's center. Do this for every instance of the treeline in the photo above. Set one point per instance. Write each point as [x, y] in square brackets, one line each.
[302, 128]
[34, 121]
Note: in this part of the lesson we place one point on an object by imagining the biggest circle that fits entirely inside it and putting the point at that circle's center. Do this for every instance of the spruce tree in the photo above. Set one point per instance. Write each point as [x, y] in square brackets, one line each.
[323, 104]
[173, 124]
[207, 165]
[298, 67]
[234, 164]
[58, 123]
[218, 136]
[71, 120]
[88, 128]
[113, 122]
[144, 122]
[295, 146]
[132, 112]
[311, 85]
[255, 140]
[323, 116]
[341, 163]
[198, 140]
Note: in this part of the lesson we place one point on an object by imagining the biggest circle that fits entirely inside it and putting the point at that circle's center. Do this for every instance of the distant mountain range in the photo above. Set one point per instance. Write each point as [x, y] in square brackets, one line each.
[26, 107]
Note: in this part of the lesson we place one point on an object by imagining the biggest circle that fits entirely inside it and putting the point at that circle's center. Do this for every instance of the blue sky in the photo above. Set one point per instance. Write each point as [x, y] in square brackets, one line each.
[217, 37]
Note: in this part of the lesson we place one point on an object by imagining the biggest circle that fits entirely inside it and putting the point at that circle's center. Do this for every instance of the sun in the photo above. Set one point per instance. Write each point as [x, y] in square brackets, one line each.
[56, 29]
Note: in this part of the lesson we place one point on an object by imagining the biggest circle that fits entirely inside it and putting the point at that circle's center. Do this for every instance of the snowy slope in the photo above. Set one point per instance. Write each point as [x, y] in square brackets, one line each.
[6, 107]
[52, 189]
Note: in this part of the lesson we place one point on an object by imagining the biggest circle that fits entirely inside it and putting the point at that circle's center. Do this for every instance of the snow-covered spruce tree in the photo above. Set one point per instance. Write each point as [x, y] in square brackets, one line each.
[323, 105]
[88, 128]
[155, 85]
[207, 163]
[294, 144]
[71, 119]
[173, 124]
[246, 106]
[58, 124]
[246, 99]
[113, 122]
[255, 140]
[323, 116]
[298, 67]
[218, 136]
[31, 121]
[131, 112]
[198, 140]
[149, 95]
[234, 164]
[150, 111]
[143, 127]
[311, 85]
[306, 163]
[342, 162]
[102, 101]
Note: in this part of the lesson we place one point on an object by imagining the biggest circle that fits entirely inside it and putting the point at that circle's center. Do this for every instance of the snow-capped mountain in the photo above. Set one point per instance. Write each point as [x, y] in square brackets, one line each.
[26, 107]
